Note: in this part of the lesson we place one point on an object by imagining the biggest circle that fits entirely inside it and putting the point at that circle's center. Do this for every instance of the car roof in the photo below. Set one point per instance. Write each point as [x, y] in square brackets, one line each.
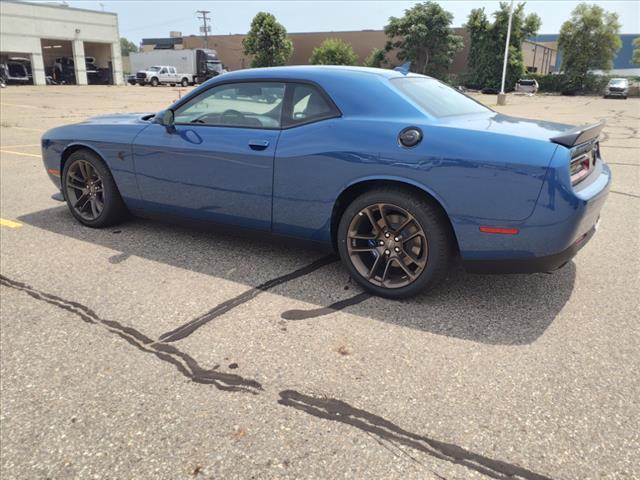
[311, 71]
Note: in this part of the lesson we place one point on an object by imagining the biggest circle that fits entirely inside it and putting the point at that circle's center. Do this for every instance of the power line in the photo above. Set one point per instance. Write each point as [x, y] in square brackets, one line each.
[204, 26]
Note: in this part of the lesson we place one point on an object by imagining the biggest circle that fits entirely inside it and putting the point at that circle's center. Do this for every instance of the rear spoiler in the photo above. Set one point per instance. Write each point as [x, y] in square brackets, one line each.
[578, 135]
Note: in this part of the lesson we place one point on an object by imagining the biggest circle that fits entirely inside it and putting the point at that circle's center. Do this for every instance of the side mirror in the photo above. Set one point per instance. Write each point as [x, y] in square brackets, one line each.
[167, 119]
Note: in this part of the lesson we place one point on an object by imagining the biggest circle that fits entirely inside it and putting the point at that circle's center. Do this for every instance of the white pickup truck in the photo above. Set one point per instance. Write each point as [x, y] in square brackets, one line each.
[164, 74]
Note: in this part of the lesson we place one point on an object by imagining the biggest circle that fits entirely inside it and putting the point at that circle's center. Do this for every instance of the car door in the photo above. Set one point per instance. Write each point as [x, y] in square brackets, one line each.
[173, 75]
[162, 75]
[218, 162]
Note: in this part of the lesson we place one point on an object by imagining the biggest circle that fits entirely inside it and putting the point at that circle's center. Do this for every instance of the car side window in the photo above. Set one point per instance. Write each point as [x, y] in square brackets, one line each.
[246, 104]
[163, 71]
[308, 104]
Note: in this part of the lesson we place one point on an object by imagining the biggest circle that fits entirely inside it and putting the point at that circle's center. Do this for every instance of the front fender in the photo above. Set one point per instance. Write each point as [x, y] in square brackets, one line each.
[111, 142]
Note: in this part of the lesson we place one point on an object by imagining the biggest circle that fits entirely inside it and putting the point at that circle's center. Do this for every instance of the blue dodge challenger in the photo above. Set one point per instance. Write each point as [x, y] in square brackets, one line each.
[398, 172]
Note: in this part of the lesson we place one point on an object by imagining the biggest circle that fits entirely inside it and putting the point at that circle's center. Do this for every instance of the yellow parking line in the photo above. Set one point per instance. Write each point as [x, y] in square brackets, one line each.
[20, 153]
[26, 128]
[9, 223]
[18, 105]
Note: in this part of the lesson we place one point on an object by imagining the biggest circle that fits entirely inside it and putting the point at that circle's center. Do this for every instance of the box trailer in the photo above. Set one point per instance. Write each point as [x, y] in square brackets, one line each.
[199, 64]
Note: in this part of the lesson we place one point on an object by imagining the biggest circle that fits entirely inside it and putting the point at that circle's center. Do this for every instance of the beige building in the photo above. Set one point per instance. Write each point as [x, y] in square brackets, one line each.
[42, 33]
[537, 57]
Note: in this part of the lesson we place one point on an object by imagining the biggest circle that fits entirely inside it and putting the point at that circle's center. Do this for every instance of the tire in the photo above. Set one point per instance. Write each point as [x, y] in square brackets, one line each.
[434, 248]
[184, 82]
[113, 209]
[154, 82]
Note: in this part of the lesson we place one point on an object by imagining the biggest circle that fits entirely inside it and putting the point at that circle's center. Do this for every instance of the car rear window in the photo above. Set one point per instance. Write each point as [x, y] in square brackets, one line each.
[436, 98]
[527, 83]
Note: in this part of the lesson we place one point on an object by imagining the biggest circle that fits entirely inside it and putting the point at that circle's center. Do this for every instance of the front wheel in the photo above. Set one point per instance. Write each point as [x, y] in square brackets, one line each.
[154, 82]
[394, 243]
[90, 191]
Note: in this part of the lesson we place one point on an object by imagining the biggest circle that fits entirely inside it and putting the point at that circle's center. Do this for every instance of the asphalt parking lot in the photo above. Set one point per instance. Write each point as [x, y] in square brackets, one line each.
[155, 351]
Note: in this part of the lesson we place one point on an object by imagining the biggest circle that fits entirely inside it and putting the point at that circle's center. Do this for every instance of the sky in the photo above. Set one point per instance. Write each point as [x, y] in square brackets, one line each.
[147, 19]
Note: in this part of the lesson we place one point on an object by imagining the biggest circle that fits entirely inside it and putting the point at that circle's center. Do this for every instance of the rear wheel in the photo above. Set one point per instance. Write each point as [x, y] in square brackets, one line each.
[394, 243]
[185, 82]
[90, 191]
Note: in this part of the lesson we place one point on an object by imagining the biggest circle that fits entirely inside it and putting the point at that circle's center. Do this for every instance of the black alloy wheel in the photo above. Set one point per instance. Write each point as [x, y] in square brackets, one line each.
[90, 191]
[85, 190]
[394, 243]
[387, 245]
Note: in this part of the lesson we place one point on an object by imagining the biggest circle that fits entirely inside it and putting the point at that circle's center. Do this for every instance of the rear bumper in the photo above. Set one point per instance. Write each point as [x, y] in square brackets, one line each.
[547, 263]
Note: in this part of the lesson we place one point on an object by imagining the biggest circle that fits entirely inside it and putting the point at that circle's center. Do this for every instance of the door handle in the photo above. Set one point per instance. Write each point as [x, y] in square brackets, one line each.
[258, 144]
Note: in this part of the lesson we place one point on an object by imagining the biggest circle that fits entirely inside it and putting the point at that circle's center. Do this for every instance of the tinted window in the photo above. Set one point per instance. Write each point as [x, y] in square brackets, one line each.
[255, 104]
[308, 104]
[437, 98]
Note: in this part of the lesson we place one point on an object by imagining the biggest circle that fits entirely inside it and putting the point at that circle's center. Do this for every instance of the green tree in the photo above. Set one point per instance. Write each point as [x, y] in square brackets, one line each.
[127, 47]
[424, 37]
[333, 51]
[589, 40]
[636, 51]
[376, 58]
[486, 52]
[267, 41]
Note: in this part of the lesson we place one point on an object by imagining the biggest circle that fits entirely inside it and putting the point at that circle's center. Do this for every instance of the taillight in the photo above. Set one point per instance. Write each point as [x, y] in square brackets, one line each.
[579, 168]
[583, 159]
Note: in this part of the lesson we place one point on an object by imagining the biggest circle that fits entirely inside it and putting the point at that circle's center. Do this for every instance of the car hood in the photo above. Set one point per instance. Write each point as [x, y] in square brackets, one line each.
[120, 119]
[507, 125]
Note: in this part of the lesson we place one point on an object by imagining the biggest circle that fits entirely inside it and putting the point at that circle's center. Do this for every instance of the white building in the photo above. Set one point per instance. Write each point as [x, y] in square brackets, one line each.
[43, 33]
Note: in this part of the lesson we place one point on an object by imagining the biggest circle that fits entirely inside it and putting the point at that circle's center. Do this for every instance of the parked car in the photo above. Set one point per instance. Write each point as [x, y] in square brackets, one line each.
[490, 90]
[527, 86]
[617, 87]
[16, 70]
[63, 71]
[163, 74]
[400, 173]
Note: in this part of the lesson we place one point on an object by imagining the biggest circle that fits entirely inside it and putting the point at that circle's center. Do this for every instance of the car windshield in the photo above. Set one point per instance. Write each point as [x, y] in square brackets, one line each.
[618, 82]
[526, 82]
[214, 66]
[437, 98]
[154, 69]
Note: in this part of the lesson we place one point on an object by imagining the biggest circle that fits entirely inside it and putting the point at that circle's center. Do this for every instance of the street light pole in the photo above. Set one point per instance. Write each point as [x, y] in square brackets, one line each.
[502, 97]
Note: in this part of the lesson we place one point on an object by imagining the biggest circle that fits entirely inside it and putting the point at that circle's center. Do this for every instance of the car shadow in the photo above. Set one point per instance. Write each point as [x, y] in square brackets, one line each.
[492, 309]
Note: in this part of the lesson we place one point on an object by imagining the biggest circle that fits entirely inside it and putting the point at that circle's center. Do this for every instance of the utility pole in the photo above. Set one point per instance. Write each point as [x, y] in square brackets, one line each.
[204, 27]
[502, 97]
